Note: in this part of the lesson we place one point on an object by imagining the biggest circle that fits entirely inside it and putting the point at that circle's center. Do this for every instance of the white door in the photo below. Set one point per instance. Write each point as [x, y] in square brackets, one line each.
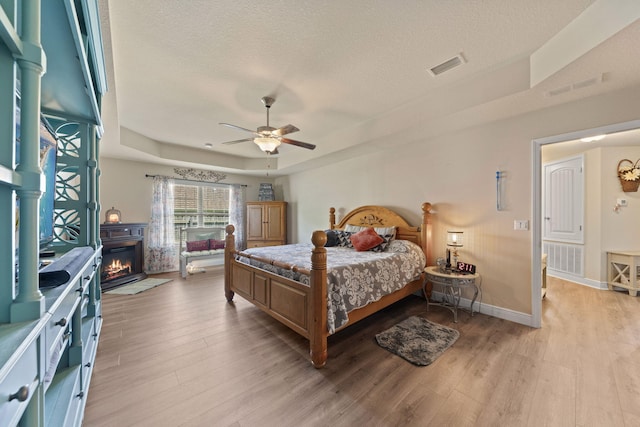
[564, 200]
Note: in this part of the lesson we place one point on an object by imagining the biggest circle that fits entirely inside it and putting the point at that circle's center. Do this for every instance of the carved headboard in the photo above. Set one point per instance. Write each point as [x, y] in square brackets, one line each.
[379, 216]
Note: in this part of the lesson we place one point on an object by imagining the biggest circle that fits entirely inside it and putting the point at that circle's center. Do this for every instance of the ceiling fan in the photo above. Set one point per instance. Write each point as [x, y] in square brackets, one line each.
[267, 138]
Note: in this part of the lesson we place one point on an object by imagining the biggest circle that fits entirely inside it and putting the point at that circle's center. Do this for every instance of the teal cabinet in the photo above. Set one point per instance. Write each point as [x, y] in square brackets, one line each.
[52, 66]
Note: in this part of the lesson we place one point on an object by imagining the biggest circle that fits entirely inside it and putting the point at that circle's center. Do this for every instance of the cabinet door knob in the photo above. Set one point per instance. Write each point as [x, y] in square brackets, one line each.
[22, 394]
[62, 322]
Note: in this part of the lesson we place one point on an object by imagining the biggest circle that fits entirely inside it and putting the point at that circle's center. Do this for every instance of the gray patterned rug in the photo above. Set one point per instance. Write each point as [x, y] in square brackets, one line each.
[417, 340]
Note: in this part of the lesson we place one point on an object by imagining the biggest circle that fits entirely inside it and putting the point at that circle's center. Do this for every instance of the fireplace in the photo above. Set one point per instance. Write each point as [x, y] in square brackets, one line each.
[122, 254]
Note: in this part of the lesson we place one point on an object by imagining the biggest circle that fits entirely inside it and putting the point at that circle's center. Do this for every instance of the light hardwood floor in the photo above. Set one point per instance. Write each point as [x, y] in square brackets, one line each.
[180, 355]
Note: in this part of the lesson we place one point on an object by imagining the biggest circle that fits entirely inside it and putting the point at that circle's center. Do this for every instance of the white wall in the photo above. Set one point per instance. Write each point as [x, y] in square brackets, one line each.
[456, 172]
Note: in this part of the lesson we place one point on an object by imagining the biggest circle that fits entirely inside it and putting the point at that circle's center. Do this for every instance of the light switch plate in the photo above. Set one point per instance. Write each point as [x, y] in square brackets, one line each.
[622, 202]
[521, 224]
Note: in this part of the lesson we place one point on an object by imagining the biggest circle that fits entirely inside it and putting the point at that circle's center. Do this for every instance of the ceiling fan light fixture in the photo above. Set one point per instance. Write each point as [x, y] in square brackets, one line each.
[267, 144]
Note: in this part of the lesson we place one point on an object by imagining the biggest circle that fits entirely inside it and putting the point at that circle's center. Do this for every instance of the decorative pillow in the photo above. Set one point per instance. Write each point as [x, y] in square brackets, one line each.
[383, 246]
[198, 245]
[382, 231]
[216, 244]
[366, 239]
[332, 238]
[343, 238]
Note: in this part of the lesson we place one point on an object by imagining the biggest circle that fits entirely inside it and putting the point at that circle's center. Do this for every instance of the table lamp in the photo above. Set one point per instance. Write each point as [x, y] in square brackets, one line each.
[112, 216]
[454, 241]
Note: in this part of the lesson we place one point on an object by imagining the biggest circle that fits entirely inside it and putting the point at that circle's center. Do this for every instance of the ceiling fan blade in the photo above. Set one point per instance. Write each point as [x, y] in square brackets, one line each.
[238, 140]
[241, 128]
[298, 143]
[285, 130]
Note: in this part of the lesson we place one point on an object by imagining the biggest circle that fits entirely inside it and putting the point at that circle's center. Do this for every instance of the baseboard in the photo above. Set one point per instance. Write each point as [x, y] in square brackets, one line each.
[579, 280]
[494, 311]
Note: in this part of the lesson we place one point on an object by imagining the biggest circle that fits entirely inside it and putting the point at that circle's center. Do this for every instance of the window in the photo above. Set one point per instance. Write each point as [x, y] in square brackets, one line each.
[200, 205]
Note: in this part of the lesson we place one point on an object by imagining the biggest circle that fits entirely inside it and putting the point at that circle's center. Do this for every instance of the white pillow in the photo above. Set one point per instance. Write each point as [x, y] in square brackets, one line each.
[383, 231]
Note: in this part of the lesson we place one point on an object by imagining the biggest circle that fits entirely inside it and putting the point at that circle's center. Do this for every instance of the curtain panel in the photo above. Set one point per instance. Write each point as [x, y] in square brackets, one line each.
[237, 214]
[161, 255]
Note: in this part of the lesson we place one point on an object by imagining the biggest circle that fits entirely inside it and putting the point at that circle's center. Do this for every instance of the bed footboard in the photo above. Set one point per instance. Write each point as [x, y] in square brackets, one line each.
[300, 307]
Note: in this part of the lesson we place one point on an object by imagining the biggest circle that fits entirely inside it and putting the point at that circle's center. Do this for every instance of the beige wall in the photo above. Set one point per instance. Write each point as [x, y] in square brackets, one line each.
[123, 185]
[456, 172]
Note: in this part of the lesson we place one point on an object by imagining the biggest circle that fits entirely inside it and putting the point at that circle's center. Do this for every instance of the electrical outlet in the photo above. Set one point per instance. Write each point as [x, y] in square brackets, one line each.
[622, 202]
[521, 224]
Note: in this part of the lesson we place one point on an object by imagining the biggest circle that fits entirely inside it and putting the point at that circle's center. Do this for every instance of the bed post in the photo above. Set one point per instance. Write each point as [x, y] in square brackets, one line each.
[318, 332]
[229, 247]
[426, 233]
[332, 218]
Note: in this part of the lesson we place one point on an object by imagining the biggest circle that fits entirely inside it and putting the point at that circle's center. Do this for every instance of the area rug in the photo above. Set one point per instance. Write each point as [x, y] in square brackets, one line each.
[417, 340]
[137, 287]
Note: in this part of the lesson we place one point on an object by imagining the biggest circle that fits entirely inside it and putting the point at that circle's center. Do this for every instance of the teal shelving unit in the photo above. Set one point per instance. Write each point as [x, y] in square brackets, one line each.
[51, 59]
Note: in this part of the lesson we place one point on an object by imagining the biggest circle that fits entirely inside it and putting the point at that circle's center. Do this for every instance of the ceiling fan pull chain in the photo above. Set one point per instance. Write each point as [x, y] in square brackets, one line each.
[268, 153]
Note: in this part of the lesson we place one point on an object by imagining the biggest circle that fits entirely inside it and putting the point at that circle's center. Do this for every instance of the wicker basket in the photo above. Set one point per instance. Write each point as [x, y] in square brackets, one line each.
[628, 186]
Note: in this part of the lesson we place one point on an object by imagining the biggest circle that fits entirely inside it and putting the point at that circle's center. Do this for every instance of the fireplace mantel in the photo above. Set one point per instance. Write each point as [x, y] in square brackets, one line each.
[125, 238]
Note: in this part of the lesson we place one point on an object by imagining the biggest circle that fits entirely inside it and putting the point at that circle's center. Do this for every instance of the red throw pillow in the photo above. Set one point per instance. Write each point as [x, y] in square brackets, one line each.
[198, 245]
[216, 244]
[366, 239]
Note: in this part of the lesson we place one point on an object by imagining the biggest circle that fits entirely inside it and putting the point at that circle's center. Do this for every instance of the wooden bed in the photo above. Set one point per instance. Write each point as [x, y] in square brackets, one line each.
[303, 308]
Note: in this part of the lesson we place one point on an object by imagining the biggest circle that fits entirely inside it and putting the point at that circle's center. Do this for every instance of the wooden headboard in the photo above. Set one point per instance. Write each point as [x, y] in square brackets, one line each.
[379, 216]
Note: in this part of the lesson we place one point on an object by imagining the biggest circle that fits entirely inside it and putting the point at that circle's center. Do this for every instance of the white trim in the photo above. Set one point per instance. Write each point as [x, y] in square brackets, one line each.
[493, 311]
[579, 280]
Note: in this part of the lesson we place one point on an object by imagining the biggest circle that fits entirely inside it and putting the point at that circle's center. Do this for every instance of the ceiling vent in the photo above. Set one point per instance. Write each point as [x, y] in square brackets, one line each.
[575, 86]
[447, 65]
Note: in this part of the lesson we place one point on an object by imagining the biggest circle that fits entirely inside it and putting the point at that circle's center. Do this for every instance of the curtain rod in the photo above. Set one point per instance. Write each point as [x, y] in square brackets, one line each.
[193, 180]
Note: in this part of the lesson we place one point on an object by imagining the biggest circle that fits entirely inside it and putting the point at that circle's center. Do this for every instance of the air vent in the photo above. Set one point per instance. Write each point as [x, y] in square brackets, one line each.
[575, 86]
[447, 65]
[559, 90]
[565, 258]
[587, 83]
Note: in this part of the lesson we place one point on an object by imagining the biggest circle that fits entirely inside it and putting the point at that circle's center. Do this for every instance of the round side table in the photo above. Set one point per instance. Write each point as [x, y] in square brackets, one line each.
[452, 284]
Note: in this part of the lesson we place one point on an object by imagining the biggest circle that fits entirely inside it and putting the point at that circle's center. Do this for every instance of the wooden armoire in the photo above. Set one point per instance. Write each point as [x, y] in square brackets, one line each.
[266, 224]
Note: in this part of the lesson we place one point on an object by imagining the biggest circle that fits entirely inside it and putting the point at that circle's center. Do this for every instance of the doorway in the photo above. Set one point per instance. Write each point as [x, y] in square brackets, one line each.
[537, 214]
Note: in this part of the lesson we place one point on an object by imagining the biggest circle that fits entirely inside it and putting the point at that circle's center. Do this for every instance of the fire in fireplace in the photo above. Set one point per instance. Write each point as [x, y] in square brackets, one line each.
[117, 263]
[122, 254]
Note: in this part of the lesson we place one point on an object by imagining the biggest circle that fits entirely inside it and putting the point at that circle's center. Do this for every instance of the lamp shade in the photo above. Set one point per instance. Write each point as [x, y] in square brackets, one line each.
[454, 239]
[267, 144]
[112, 216]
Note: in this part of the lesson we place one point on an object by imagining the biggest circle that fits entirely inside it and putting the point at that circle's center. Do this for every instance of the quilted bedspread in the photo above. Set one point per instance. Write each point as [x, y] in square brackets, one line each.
[354, 278]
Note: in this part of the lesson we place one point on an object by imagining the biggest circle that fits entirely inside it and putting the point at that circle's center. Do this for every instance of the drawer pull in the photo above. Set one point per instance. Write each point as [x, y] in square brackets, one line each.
[80, 290]
[80, 395]
[62, 322]
[87, 278]
[87, 365]
[22, 394]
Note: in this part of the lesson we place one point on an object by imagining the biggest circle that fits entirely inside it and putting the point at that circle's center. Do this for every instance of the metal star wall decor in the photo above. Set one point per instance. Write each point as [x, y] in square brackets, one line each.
[200, 175]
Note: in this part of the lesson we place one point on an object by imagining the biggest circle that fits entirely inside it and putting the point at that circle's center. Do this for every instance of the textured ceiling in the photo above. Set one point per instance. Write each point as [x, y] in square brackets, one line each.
[346, 73]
